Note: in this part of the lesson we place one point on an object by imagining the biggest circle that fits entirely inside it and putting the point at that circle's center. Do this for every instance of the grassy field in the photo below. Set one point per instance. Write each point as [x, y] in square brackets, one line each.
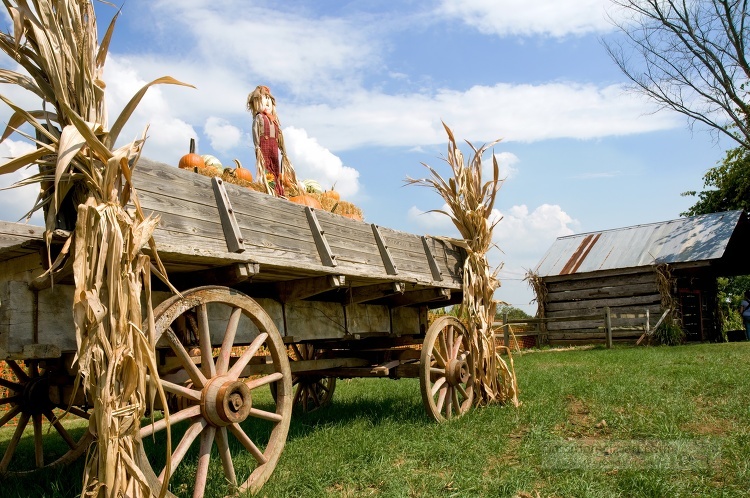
[626, 422]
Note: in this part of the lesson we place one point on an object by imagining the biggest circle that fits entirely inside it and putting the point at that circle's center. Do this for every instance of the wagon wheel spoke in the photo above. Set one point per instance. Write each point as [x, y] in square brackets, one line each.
[184, 358]
[8, 384]
[174, 418]
[311, 392]
[221, 396]
[184, 445]
[9, 415]
[36, 420]
[248, 443]
[265, 415]
[437, 385]
[78, 412]
[204, 338]
[246, 356]
[11, 449]
[204, 456]
[222, 443]
[10, 399]
[262, 381]
[446, 370]
[18, 371]
[298, 394]
[222, 364]
[29, 399]
[64, 434]
[179, 390]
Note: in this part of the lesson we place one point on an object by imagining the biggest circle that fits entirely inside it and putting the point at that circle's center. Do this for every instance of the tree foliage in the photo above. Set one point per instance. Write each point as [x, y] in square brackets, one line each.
[689, 56]
[727, 186]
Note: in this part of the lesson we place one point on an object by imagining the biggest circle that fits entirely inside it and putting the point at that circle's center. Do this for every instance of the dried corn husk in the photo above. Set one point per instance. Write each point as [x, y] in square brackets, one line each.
[470, 202]
[56, 42]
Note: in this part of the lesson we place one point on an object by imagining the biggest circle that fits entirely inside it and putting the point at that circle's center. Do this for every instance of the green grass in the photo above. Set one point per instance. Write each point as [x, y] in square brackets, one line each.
[627, 422]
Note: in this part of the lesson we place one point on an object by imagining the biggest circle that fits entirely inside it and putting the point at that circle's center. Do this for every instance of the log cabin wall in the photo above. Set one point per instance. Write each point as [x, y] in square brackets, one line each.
[575, 305]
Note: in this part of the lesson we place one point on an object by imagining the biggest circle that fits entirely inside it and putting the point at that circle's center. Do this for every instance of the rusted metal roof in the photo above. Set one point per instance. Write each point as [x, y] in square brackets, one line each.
[698, 238]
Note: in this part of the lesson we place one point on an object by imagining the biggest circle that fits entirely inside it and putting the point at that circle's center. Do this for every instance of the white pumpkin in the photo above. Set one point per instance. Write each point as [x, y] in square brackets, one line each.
[211, 161]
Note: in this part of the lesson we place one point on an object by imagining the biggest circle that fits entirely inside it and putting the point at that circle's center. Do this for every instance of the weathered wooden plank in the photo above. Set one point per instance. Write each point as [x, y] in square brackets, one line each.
[232, 232]
[324, 250]
[597, 274]
[420, 297]
[648, 277]
[600, 303]
[588, 334]
[294, 290]
[374, 292]
[385, 254]
[652, 308]
[603, 292]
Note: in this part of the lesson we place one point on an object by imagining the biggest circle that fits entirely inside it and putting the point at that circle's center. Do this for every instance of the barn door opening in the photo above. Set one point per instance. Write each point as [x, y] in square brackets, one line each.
[691, 308]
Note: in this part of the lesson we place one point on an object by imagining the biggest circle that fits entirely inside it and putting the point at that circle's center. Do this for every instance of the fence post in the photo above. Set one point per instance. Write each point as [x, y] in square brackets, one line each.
[648, 322]
[608, 326]
[506, 331]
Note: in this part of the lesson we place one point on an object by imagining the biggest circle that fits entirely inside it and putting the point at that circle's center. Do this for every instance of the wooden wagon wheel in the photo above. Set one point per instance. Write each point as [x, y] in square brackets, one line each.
[35, 395]
[310, 391]
[446, 374]
[218, 404]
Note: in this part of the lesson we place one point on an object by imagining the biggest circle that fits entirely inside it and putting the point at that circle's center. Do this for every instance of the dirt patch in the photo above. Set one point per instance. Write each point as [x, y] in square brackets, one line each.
[580, 422]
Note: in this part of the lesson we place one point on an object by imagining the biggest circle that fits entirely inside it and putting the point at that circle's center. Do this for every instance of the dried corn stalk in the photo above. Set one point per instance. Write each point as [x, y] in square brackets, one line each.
[470, 202]
[56, 43]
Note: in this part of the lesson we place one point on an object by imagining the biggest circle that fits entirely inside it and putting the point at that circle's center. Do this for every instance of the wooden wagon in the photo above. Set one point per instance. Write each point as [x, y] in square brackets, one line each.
[277, 301]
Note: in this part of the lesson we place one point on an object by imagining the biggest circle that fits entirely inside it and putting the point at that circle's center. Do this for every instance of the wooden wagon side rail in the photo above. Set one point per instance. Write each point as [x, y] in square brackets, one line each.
[204, 220]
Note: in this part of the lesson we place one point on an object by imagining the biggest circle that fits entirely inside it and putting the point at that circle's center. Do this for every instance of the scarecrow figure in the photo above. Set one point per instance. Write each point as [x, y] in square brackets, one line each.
[269, 142]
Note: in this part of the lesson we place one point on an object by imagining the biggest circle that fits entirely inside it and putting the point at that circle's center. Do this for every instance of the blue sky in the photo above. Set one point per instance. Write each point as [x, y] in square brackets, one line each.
[361, 89]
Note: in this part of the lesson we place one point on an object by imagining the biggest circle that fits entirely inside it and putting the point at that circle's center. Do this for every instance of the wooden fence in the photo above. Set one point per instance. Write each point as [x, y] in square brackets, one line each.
[523, 333]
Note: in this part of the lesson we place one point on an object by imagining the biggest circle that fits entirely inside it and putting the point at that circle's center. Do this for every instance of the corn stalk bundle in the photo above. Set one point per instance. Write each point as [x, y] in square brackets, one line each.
[56, 44]
[665, 284]
[540, 291]
[470, 202]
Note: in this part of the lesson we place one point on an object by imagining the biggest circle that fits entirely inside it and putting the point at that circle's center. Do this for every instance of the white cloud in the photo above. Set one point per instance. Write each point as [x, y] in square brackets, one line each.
[303, 52]
[532, 232]
[311, 160]
[15, 202]
[222, 134]
[524, 113]
[433, 221]
[505, 162]
[556, 18]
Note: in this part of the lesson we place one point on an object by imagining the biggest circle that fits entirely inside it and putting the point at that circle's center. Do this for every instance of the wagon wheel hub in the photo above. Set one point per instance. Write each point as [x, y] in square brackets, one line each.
[457, 371]
[35, 397]
[226, 401]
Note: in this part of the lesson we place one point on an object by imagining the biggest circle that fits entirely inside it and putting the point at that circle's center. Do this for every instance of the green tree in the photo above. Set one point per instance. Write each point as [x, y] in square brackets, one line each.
[513, 312]
[727, 185]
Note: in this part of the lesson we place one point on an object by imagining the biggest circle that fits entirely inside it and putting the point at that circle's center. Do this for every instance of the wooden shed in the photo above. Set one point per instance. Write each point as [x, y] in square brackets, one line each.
[638, 274]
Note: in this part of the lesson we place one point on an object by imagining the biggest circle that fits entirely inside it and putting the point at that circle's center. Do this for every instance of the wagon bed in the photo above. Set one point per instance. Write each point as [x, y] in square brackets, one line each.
[272, 293]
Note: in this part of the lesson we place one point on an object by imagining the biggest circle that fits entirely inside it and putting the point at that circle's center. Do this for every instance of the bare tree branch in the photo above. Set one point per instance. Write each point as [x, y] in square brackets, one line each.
[689, 56]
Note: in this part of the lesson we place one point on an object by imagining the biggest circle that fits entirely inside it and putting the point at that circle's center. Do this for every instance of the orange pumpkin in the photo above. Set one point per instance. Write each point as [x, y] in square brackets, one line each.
[353, 216]
[332, 194]
[242, 173]
[191, 160]
[306, 200]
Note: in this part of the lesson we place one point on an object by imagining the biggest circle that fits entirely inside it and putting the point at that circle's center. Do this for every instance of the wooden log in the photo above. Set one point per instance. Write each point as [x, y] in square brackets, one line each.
[620, 291]
[600, 303]
[647, 277]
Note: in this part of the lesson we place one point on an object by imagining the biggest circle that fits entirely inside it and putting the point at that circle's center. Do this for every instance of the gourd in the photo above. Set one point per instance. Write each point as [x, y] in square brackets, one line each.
[191, 160]
[211, 161]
